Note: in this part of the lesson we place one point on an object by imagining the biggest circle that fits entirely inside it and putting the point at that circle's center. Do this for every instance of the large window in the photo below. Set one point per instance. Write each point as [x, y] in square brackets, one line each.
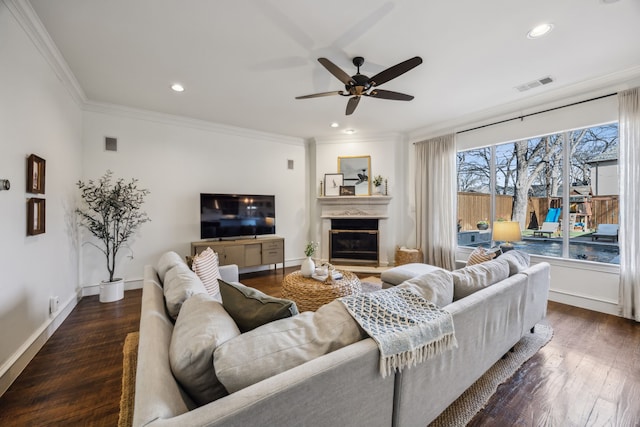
[560, 188]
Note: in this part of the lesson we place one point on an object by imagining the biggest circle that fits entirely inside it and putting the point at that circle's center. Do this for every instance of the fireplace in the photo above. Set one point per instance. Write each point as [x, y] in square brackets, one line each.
[363, 238]
[353, 241]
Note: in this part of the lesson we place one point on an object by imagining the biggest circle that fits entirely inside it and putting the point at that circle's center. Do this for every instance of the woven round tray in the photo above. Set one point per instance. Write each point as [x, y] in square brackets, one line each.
[309, 294]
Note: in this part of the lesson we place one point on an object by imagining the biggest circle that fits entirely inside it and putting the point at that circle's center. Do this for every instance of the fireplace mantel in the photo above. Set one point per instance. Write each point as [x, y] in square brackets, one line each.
[355, 207]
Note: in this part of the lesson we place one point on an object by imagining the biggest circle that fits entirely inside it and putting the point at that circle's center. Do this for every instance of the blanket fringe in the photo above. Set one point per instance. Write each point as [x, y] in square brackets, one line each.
[396, 362]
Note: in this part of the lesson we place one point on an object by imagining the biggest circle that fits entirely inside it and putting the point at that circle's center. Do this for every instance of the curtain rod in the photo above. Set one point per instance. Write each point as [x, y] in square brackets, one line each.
[538, 112]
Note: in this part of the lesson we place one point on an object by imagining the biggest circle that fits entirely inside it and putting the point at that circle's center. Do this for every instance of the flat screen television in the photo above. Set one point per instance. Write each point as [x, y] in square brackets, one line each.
[236, 215]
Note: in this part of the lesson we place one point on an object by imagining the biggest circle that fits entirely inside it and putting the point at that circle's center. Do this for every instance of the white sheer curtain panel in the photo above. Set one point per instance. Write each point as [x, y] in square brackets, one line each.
[629, 128]
[436, 200]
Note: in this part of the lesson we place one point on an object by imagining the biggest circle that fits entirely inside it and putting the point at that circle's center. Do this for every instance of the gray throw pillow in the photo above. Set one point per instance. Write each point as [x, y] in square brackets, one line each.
[202, 325]
[471, 279]
[180, 283]
[251, 308]
[436, 287]
[284, 344]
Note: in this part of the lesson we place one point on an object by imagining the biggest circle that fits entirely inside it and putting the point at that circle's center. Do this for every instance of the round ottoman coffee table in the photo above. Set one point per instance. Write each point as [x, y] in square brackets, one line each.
[309, 294]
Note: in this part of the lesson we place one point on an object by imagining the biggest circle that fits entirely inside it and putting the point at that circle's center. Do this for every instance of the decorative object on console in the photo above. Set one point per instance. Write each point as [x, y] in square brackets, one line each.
[507, 232]
[35, 174]
[356, 171]
[347, 190]
[332, 183]
[112, 213]
[482, 225]
[36, 215]
[308, 267]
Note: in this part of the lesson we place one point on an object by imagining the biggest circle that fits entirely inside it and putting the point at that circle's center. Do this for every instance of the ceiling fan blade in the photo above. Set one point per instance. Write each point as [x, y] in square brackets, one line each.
[387, 94]
[352, 104]
[318, 95]
[336, 71]
[395, 71]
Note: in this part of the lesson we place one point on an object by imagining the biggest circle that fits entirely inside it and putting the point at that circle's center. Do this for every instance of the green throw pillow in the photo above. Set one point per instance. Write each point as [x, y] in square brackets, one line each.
[251, 308]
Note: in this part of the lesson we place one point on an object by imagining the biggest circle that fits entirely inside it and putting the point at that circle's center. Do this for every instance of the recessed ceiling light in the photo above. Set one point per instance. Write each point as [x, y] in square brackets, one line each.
[539, 31]
[177, 87]
[349, 131]
[335, 125]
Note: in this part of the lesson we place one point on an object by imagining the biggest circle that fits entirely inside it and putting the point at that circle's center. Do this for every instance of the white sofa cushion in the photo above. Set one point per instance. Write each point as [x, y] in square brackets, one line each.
[471, 279]
[167, 261]
[436, 287]
[202, 325]
[518, 261]
[283, 344]
[399, 274]
[180, 283]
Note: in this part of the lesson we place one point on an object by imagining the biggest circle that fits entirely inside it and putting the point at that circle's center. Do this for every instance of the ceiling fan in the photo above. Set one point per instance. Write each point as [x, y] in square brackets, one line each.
[360, 85]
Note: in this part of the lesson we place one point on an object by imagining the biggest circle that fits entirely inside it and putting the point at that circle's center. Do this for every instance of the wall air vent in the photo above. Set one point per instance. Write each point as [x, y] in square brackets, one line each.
[535, 83]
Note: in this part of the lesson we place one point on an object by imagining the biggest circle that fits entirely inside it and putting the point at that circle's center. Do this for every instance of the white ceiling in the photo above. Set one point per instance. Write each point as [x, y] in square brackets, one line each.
[243, 62]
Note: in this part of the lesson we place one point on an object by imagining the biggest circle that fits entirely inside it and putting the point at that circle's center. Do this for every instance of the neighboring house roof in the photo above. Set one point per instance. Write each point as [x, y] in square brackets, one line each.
[610, 155]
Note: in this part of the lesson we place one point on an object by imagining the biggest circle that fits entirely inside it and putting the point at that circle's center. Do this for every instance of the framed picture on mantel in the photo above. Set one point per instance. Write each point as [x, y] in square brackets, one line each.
[332, 183]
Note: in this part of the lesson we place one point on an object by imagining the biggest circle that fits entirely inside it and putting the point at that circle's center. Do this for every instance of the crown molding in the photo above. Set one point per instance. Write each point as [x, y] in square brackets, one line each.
[614, 82]
[24, 14]
[174, 120]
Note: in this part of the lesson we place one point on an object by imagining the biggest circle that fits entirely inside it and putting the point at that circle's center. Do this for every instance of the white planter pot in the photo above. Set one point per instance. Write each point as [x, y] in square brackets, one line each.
[307, 267]
[112, 291]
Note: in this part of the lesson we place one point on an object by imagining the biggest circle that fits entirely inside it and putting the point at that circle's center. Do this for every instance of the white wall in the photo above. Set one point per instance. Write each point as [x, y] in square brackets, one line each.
[388, 155]
[37, 115]
[177, 160]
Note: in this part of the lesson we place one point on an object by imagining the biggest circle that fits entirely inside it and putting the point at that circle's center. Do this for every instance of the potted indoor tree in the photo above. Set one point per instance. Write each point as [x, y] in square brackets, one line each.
[111, 211]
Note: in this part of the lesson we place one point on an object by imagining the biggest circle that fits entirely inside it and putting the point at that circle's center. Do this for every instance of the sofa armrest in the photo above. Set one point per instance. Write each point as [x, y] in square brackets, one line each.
[229, 273]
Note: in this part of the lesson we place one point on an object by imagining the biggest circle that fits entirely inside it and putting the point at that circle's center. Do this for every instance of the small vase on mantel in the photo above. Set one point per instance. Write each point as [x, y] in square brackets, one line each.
[307, 267]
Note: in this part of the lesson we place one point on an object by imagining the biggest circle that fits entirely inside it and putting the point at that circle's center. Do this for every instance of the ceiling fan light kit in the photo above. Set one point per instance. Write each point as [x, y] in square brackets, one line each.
[359, 85]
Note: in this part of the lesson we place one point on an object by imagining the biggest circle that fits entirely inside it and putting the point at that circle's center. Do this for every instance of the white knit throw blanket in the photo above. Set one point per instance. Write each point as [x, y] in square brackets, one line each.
[408, 328]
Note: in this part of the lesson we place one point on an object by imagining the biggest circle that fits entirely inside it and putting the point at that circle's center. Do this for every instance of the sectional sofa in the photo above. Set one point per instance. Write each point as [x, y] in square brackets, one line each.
[494, 304]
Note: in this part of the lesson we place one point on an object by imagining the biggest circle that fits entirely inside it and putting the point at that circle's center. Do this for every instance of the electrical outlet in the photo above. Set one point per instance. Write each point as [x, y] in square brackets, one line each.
[54, 302]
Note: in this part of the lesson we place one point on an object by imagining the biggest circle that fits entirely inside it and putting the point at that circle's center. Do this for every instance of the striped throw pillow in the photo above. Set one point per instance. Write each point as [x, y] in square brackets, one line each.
[205, 265]
[479, 255]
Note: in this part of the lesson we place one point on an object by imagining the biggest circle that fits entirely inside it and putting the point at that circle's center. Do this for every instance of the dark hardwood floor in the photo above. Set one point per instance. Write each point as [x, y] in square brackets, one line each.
[588, 375]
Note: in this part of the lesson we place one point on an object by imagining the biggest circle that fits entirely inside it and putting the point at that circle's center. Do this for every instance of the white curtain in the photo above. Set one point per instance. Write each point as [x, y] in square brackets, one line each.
[436, 198]
[629, 128]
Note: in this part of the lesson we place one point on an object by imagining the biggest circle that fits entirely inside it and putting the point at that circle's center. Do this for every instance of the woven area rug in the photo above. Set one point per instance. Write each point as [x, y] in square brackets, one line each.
[460, 412]
[129, 363]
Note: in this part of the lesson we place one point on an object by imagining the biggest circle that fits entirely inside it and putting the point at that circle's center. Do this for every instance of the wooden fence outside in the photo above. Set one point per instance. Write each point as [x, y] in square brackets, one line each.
[474, 207]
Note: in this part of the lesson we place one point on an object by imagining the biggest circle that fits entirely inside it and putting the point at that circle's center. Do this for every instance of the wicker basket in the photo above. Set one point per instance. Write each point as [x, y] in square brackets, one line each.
[407, 256]
[310, 294]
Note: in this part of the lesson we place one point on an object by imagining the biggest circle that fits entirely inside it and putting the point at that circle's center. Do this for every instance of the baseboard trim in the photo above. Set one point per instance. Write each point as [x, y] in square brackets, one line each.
[583, 301]
[14, 366]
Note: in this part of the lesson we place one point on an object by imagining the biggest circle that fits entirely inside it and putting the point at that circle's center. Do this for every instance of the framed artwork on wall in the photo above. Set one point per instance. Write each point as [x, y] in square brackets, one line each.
[332, 183]
[35, 174]
[357, 172]
[36, 214]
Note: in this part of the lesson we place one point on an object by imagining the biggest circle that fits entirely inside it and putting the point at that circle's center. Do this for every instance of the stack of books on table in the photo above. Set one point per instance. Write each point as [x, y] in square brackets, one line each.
[323, 276]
